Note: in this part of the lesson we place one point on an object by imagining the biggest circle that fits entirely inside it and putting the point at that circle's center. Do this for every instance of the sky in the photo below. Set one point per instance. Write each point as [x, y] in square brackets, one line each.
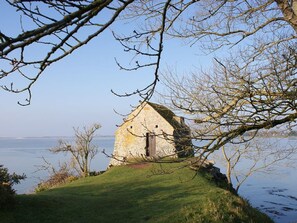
[76, 91]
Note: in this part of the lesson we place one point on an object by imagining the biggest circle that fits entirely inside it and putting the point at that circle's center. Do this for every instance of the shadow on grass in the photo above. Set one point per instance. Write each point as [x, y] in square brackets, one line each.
[127, 195]
[115, 203]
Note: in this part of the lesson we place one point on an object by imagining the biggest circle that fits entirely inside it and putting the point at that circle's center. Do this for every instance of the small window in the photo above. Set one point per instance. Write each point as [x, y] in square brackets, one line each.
[156, 126]
[131, 127]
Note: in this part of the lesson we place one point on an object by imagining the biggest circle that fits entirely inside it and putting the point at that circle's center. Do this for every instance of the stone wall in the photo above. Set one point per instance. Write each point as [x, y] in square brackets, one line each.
[130, 138]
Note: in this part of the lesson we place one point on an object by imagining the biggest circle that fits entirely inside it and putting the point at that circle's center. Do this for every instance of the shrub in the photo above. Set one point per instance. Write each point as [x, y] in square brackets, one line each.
[96, 173]
[7, 198]
[56, 178]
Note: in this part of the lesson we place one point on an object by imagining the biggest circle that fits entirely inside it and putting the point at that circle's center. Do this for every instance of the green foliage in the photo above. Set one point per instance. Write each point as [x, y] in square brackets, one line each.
[135, 194]
[95, 173]
[7, 198]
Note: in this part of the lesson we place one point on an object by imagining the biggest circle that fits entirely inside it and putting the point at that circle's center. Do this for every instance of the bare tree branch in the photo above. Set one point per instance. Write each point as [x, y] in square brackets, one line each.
[83, 151]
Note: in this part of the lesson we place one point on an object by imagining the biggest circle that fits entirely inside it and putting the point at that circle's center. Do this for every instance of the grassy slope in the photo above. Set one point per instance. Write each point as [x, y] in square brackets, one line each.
[126, 194]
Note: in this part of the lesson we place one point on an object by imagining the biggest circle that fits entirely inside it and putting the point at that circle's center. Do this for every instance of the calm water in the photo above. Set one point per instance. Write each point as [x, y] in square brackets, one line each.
[274, 194]
[25, 155]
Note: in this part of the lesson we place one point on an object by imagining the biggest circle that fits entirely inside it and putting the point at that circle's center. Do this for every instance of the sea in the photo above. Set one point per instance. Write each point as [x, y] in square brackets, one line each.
[274, 193]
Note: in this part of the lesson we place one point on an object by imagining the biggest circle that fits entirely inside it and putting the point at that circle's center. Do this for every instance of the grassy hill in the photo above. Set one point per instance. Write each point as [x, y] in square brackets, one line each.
[137, 194]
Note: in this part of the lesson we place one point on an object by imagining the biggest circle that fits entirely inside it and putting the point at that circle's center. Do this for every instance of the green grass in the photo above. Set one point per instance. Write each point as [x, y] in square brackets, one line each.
[126, 194]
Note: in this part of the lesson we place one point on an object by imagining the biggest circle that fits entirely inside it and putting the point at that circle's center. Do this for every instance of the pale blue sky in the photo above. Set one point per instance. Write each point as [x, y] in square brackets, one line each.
[76, 91]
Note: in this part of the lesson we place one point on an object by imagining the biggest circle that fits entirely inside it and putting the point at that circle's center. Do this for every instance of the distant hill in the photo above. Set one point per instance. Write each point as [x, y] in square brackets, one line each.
[134, 194]
[274, 133]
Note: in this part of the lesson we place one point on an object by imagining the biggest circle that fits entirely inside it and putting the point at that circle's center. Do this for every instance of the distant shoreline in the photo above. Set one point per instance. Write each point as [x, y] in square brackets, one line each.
[49, 137]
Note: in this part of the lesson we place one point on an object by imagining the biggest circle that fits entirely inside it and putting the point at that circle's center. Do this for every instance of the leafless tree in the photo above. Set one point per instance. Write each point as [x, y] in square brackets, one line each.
[62, 26]
[251, 86]
[83, 151]
[242, 161]
[57, 28]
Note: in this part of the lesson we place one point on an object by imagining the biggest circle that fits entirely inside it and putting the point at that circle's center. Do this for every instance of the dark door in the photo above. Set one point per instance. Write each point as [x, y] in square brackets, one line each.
[150, 144]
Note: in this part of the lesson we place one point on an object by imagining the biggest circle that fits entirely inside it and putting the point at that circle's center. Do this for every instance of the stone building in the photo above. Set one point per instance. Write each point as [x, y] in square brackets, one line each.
[151, 131]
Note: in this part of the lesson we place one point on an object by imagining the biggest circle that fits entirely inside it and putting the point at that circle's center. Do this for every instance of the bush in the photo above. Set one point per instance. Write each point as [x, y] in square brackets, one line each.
[7, 198]
[96, 173]
[56, 178]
